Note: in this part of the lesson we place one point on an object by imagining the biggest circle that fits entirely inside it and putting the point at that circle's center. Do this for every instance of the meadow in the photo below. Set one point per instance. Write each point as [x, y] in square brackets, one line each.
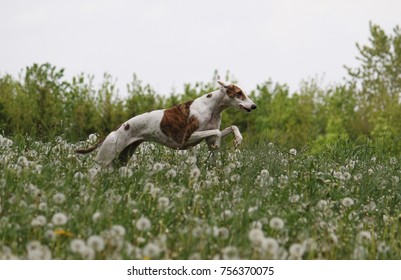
[256, 202]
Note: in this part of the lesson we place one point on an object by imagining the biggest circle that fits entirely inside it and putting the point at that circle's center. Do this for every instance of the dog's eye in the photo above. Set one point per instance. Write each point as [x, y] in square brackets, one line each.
[238, 94]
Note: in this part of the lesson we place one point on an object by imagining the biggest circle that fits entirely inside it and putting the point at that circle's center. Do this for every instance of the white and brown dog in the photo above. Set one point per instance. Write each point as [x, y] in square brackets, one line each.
[179, 127]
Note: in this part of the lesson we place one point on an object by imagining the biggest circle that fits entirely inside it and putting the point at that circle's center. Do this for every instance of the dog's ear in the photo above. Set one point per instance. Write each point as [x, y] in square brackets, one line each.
[221, 83]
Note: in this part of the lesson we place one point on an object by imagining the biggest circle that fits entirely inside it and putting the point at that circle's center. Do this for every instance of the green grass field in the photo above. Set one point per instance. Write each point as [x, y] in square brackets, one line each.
[258, 202]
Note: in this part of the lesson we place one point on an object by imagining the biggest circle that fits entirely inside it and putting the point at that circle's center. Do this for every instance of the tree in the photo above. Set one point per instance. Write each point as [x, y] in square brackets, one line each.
[378, 83]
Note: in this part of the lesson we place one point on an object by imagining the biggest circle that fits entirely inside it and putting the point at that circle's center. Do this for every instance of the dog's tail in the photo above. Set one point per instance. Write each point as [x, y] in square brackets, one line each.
[90, 149]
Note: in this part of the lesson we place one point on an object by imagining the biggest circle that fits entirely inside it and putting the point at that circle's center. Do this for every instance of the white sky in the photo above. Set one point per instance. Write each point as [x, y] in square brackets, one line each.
[168, 43]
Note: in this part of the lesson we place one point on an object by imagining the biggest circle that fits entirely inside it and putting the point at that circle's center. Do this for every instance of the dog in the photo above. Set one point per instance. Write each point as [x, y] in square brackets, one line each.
[179, 127]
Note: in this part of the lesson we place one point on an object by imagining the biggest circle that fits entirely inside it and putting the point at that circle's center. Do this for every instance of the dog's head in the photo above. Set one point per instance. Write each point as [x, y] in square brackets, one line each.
[236, 96]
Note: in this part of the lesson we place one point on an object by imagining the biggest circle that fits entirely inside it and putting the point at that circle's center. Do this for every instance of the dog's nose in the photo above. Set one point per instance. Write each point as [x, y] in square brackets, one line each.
[254, 107]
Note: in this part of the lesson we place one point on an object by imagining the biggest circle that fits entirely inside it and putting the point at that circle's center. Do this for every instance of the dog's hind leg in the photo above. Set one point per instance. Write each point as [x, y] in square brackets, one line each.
[126, 154]
[112, 146]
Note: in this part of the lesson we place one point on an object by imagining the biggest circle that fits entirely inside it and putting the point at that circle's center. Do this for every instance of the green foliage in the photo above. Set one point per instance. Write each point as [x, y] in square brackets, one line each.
[43, 104]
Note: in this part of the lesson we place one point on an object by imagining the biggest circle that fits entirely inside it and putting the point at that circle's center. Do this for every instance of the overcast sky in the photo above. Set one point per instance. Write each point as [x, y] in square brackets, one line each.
[168, 43]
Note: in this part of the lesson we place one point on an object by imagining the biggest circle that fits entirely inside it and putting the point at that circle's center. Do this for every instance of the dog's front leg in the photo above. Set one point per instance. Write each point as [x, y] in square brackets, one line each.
[237, 134]
[213, 138]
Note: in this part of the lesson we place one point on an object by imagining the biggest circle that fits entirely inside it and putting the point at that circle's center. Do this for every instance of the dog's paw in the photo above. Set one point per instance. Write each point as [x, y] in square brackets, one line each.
[237, 141]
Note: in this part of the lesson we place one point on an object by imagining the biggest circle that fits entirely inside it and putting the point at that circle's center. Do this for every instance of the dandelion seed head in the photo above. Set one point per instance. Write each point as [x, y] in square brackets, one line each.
[163, 202]
[87, 253]
[382, 247]
[23, 161]
[38, 221]
[151, 250]
[171, 173]
[195, 172]
[230, 253]
[257, 224]
[270, 245]
[77, 245]
[360, 252]
[59, 219]
[49, 234]
[235, 178]
[296, 251]
[92, 138]
[118, 230]
[322, 204]
[96, 242]
[96, 216]
[143, 224]
[223, 233]
[294, 198]
[264, 173]
[364, 236]
[276, 223]
[256, 236]
[347, 202]
[393, 161]
[149, 187]
[157, 167]
[33, 245]
[226, 214]
[59, 198]
[293, 152]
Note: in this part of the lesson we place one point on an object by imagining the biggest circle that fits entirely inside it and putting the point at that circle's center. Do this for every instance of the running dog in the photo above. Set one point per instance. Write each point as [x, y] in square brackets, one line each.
[179, 127]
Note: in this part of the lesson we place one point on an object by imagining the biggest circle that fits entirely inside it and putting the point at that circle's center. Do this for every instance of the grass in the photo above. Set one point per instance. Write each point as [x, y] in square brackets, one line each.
[259, 202]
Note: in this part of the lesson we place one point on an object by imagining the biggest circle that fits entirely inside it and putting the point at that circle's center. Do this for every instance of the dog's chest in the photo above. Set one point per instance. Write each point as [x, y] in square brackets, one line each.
[206, 113]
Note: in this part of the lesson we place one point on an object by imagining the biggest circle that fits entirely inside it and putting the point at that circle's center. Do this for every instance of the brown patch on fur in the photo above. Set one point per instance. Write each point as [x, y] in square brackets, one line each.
[177, 124]
[209, 95]
[126, 126]
[234, 91]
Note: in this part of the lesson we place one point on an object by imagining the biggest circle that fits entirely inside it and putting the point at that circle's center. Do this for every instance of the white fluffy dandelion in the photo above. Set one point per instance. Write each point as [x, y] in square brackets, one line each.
[264, 173]
[77, 245]
[364, 236]
[293, 152]
[96, 216]
[223, 233]
[296, 251]
[226, 214]
[96, 242]
[118, 230]
[87, 253]
[195, 172]
[171, 173]
[256, 236]
[294, 198]
[270, 245]
[143, 224]
[151, 250]
[347, 202]
[59, 219]
[230, 253]
[39, 221]
[276, 223]
[157, 167]
[163, 202]
[23, 161]
[59, 198]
